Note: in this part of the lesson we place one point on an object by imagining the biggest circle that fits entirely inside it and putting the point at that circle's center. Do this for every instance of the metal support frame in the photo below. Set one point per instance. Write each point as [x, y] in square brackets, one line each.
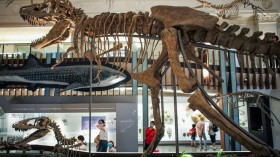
[175, 113]
[134, 82]
[161, 95]
[92, 48]
[233, 89]
[56, 90]
[48, 61]
[145, 103]
[223, 75]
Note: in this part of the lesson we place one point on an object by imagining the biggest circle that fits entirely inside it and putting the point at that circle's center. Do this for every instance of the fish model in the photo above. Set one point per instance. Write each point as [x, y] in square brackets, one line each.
[69, 76]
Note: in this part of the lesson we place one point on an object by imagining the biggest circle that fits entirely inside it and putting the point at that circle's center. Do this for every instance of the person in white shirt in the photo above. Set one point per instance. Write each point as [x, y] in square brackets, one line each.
[103, 133]
[82, 143]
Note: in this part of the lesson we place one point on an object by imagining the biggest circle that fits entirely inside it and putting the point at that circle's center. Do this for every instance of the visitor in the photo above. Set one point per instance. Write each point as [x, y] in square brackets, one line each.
[275, 39]
[2, 143]
[212, 135]
[103, 133]
[96, 140]
[149, 135]
[111, 146]
[192, 133]
[200, 128]
[81, 142]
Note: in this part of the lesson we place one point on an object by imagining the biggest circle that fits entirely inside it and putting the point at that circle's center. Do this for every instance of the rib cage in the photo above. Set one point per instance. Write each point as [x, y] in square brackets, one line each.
[129, 24]
[229, 12]
[114, 24]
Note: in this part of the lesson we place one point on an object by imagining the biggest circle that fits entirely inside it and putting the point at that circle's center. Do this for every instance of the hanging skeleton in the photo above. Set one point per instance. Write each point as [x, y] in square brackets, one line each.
[178, 28]
[229, 10]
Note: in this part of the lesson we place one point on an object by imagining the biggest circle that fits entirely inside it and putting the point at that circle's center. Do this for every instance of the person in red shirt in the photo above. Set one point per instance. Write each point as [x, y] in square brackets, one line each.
[149, 134]
[192, 133]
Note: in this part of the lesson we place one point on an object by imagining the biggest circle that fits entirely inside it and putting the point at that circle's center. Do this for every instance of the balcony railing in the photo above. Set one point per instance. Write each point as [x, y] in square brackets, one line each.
[246, 76]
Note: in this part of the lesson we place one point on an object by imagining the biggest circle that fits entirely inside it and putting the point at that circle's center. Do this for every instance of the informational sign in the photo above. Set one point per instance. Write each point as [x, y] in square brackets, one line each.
[126, 119]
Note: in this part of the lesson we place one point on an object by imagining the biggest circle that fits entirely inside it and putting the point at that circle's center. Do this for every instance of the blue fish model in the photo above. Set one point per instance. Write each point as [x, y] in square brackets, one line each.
[69, 76]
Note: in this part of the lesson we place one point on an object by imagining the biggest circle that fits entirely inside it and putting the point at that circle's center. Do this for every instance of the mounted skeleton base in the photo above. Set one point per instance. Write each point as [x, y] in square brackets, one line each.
[93, 34]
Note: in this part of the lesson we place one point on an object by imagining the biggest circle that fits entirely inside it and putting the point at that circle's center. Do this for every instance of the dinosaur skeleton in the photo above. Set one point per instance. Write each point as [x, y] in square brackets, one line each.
[92, 34]
[229, 10]
[43, 126]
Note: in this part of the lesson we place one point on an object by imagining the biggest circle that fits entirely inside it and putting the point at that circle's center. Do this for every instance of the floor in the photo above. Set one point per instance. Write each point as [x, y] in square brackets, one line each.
[187, 148]
[161, 148]
[166, 148]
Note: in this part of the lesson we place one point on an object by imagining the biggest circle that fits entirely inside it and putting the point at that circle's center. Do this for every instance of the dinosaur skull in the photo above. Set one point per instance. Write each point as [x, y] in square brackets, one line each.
[50, 11]
[31, 123]
[41, 124]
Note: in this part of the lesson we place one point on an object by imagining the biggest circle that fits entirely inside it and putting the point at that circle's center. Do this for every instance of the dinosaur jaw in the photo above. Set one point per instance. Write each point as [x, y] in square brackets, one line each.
[34, 136]
[49, 12]
[59, 32]
[41, 124]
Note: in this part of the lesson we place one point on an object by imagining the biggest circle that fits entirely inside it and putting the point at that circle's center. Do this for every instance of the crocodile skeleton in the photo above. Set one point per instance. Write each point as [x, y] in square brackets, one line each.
[43, 125]
[92, 33]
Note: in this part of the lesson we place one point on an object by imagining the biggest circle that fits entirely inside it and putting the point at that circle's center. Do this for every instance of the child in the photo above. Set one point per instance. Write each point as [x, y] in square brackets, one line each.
[111, 146]
[192, 133]
[82, 143]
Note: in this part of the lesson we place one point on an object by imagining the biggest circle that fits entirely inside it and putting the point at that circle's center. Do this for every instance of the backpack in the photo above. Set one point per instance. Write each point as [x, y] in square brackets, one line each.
[215, 128]
[192, 132]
